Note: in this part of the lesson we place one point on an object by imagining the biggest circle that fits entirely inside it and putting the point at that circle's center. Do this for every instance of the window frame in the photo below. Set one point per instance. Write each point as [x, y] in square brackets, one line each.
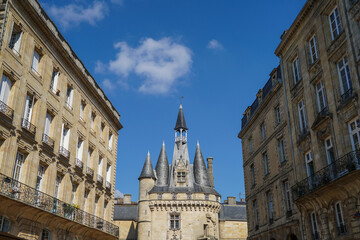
[296, 70]
[302, 116]
[344, 77]
[321, 96]
[265, 159]
[335, 32]
[174, 221]
[15, 45]
[314, 54]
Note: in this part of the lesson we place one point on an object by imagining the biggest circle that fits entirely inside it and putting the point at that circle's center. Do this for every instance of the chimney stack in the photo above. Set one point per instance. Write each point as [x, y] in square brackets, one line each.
[231, 200]
[127, 199]
[210, 171]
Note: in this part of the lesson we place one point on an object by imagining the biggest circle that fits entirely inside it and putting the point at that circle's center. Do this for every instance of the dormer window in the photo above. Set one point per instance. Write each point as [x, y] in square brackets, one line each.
[181, 177]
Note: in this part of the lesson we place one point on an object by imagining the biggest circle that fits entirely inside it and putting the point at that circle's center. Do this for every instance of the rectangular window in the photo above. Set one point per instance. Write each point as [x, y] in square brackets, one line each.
[335, 23]
[88, 164]
[281, 150]
[270, 207]
[40, 175]
[69, 97]
[262, 131]
[92, 121]
[354, 129]
[256, 213]
[330, 155]
[5, 89]
[65, 137]
[5, 224]
[102, 131]
[313, 49]
[277, 114]
[48, 121]
[321, 97]
[100, 166]
[108, 173]
[252, 174]
[266, 163]
[110, 141]
[19, 161]
[15, 40]
[28, 110]
[86, 195]
[251, 145]
[181, 177]
[73, 193]
[96, 203]
[309, 164]
[287, 195]
[314, 226]
[79, 151]
[57, 185]
[174, 221]
[296, 70]
[340, 218]
[344, 75]
[54, 81]
[36, 62]
[82, 109]
[302, 116]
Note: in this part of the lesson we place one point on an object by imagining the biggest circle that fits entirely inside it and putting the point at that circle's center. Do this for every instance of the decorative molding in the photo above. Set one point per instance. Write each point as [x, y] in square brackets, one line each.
[185, 205]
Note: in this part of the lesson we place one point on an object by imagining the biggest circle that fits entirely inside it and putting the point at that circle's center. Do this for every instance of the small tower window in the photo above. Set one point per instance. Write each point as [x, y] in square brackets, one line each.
[181, 177]
[174, 221]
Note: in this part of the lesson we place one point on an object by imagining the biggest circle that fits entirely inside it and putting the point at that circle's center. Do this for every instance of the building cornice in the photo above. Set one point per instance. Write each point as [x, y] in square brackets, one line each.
[185, 205]
[47, 26]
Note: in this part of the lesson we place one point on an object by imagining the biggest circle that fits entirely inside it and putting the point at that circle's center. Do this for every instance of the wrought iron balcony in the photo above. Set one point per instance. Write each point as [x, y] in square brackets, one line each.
[6, 110]
[108, 185]
[48, 141]
[28, 126]
[346, 95]
[89, 171]
[100, 179]
[79, 163]
[341, 167]
[25, 194]
[64, 152]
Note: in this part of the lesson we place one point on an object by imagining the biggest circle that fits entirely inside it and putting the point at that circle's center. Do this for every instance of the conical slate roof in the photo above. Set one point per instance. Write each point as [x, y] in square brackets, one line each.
[162, 168]
[180, 122]
[147, 171]
[200, 172]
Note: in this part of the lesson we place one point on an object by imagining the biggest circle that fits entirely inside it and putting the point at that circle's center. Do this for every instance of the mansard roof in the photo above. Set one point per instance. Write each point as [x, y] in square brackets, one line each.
[180, 122]
[162, 168]
[147, 171]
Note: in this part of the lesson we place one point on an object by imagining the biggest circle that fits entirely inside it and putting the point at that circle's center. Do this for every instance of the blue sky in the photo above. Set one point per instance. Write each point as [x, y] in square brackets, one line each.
[146, 54]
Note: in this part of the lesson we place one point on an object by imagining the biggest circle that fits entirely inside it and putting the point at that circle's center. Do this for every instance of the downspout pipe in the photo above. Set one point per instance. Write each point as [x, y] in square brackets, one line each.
[3, 25]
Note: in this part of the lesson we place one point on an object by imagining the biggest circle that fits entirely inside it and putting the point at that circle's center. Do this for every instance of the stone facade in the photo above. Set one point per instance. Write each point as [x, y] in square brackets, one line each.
[319, 58]
[267, 164]
[58, 134]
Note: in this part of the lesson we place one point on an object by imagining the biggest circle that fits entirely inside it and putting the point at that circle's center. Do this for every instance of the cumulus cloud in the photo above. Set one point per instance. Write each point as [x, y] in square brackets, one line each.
[107, 84]
[160, 63]
[75, 14]
[215, 44]
[118, 194]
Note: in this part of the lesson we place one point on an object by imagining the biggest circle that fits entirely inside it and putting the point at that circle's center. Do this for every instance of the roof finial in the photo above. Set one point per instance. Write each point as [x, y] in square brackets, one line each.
[181, 98]
[163, 143]
[197, 143]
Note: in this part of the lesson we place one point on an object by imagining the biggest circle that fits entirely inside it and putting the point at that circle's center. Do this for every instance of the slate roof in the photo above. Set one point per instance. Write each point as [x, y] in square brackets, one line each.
[180, 122]
[196, 189]
[232, 212]
[162, 168]
[125, 212]
[147, 171]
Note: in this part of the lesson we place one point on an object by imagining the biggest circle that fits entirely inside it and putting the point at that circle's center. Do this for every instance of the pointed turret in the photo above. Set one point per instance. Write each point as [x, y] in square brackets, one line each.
[200, 171]
[147, 171]
[180, 122]
[162, 168]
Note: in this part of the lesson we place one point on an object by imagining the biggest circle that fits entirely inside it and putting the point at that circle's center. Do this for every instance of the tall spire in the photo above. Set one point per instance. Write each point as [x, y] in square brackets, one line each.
[147, 171]
[162, 168]
[180, 122]
[200, 172]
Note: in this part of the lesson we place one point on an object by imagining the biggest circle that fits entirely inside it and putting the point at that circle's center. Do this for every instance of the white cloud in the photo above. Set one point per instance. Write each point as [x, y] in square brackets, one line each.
[215, 44]
[118, 194]
[100, 67]
[107, 84]
[160, 62]
[74, 14]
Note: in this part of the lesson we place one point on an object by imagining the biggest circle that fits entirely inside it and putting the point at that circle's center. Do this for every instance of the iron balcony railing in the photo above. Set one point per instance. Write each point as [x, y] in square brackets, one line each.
[89, 171]
[346, 95]
[64, 152]
[26, 124]
[100, 179]
[48, 141]
[6, 110]
[108, 185]
[78, 163]
[339, 168]
[23, 193]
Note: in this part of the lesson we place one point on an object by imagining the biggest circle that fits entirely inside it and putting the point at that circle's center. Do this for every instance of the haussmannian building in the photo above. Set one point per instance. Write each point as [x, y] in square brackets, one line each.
[58, 134]
[319, 57]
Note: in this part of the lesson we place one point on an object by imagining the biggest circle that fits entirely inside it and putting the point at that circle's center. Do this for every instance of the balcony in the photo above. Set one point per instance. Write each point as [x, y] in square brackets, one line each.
[339, 168]
[12, 189]
[28, 126]
[89, 172]
[64, 152]
[108, 185]
[79, 163]
[6, 110]
[48, 141]
[100, 179]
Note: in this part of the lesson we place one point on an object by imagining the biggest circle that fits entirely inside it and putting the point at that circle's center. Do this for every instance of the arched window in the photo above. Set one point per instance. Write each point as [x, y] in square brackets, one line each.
[46, 234]
[5, 224]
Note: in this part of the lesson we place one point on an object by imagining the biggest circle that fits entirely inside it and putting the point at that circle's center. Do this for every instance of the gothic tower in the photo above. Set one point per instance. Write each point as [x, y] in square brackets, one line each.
[178, 200]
